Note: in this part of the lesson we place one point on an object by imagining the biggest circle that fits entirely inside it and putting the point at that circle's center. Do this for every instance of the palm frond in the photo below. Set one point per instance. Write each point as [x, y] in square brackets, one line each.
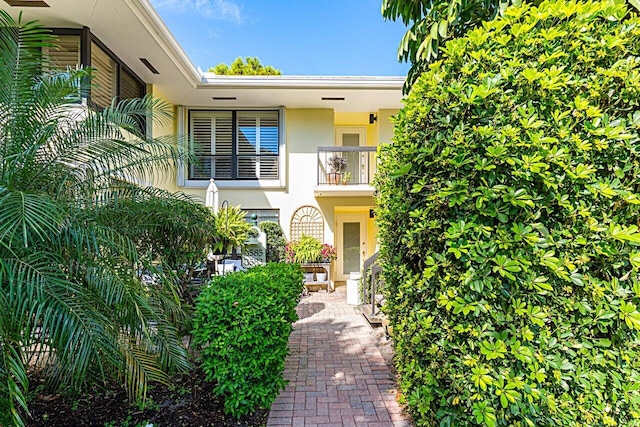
[75, 236]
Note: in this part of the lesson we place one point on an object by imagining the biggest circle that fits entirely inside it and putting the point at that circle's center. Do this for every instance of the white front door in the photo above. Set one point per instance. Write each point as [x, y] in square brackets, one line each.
[353, 136]
[351, 242]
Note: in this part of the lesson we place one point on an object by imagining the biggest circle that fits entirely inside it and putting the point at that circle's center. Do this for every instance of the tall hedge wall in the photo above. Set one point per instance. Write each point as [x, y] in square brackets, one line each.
[509, 213]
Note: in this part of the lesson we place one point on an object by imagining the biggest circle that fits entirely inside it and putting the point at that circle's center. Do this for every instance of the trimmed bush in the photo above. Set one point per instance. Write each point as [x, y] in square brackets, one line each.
[242, 324]
[276, 241]
[508, 213]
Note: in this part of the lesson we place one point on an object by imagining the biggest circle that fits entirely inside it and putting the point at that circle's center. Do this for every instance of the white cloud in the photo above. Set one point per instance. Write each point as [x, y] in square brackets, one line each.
[216, 9]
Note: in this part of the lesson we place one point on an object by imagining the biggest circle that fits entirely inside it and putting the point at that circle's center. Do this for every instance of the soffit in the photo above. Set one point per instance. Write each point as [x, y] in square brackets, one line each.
[129, 28]
[132, 29]
[343, 94]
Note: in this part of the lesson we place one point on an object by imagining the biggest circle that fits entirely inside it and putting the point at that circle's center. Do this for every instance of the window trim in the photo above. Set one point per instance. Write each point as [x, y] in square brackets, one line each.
[184, 117]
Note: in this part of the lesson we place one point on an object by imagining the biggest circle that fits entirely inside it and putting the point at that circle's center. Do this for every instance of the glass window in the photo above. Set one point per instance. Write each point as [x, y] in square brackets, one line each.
[235, 144]
[262, 215]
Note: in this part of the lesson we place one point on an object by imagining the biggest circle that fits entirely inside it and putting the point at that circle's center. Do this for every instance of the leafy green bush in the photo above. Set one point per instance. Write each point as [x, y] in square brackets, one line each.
[231, 229]
[307, 249]
[276, 241]
[242, 322]
[509, 212]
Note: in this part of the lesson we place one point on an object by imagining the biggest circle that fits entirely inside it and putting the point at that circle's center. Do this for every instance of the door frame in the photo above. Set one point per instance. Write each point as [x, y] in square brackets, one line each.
[341, 218]
[361, 131]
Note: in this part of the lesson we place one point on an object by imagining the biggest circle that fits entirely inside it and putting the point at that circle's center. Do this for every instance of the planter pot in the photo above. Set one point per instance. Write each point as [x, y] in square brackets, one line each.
[321, 277]
[334, 178]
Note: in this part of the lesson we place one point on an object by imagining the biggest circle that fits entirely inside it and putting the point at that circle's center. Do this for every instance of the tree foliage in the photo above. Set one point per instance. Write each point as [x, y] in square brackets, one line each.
[431, 23]
[250, 66]
[276, 241]
[509, 207]
[71, 295]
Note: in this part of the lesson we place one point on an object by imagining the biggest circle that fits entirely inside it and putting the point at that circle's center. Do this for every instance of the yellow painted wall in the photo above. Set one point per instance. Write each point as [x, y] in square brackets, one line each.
[385, 125]
[305, 129]
[359, 120]
[166, 181]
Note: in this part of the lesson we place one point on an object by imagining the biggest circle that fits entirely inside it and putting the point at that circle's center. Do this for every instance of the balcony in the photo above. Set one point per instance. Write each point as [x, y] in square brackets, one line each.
[345, 171]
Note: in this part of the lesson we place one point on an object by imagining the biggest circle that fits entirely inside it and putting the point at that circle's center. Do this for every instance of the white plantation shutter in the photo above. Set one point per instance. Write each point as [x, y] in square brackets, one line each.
[269, 145]
[103, 88]
[247, 145]
[222, 146]
[258, 144]
[201, 136]
[130, 87]
[255, 149]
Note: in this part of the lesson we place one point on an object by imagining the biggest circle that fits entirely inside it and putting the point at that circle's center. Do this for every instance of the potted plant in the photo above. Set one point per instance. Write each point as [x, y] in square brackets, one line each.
[304, 251]
[337, 166]
[231, 230]
[346, 177]
[328, 253]
[309, 250]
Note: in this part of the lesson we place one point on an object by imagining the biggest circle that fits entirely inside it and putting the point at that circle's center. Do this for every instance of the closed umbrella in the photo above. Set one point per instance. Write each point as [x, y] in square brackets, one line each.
[211, 199]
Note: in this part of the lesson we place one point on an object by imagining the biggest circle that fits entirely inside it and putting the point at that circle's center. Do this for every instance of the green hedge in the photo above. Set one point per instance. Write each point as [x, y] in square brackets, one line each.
[509, 214]
[242, 324]
[276, 241]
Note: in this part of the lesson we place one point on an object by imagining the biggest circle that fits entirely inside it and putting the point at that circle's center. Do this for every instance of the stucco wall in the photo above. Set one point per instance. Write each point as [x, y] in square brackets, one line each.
[305, 130]
[385, 126]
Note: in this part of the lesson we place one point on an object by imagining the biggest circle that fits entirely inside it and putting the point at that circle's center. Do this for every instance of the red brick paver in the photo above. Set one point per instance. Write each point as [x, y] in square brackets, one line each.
[337, 376]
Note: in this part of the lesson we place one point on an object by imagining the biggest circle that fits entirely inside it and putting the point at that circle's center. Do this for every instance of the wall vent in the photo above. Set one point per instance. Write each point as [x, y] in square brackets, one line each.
[147, 64]
[26, 3]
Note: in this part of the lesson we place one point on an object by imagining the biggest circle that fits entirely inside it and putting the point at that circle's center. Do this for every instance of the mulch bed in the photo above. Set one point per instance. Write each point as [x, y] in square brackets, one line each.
[188, 402]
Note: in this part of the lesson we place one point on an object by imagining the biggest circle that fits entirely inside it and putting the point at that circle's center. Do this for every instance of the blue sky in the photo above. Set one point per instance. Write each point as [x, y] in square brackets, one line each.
[299, 37]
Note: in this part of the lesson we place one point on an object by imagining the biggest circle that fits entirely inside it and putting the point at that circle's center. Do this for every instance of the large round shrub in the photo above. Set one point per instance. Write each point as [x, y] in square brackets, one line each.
[509, 212]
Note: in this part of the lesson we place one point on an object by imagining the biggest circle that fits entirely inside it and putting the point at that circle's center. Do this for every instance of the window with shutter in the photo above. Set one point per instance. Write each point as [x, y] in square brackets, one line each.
[66, 54]
[104, 83]
[130, 87]
[235, 145]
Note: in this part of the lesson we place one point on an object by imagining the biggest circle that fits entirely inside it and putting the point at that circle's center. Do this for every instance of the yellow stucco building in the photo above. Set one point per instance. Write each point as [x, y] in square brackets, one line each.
[268, 142]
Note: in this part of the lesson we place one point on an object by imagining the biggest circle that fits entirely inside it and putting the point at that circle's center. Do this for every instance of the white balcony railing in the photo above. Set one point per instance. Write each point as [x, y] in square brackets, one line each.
[346, 165]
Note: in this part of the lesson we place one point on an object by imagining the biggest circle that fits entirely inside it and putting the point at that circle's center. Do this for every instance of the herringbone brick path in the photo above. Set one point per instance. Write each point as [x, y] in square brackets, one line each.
[337, 376]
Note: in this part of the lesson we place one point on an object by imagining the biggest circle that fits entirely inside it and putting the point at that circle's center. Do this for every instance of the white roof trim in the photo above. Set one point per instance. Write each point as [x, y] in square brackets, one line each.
[155, 25]
[301, 82]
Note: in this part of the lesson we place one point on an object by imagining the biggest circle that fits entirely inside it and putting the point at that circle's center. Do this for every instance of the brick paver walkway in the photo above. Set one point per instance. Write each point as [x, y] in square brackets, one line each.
[337, 376]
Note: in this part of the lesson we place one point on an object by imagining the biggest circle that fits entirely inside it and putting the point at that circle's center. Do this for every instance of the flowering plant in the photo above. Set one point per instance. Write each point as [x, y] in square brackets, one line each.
[308, 250]
[289, 252]
[328, 252]
[338, 164]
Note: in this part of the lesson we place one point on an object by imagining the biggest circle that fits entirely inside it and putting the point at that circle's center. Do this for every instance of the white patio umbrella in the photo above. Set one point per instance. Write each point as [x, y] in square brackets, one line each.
[211, 199]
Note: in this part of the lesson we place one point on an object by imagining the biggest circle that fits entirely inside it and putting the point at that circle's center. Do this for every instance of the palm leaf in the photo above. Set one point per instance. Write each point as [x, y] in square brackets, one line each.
[69, 272]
